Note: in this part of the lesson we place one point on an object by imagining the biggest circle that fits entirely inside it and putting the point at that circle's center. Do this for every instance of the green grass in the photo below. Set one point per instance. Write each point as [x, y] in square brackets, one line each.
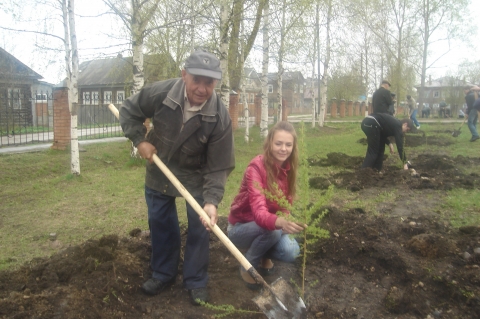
[39, 195]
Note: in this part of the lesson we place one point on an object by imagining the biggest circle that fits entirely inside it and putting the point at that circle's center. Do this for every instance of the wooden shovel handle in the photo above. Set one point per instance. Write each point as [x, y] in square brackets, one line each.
[189, 198]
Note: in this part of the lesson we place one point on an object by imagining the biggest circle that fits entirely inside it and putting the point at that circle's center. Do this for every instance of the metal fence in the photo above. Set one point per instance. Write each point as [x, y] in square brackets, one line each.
[28, 118]
[25, 117]
[95, 120]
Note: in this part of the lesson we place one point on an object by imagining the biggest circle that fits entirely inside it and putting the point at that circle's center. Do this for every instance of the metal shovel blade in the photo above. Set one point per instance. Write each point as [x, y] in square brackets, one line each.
[456, 133]
[282, 294]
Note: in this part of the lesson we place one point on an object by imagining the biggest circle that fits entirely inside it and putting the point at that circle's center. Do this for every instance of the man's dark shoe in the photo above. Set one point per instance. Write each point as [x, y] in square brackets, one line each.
[474, 138]
[153, 286]
[198, 294]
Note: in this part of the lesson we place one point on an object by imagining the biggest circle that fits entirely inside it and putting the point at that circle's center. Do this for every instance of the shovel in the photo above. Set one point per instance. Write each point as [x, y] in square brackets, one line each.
[278, 301]
[456, 133]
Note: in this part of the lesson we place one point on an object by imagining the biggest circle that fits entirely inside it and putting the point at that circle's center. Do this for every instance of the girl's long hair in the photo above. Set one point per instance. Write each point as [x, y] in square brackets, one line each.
[269, 160]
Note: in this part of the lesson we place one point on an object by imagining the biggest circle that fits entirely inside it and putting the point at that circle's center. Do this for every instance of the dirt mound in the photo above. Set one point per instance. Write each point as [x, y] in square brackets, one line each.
[415, 140]
[430, 172]
[368, 268]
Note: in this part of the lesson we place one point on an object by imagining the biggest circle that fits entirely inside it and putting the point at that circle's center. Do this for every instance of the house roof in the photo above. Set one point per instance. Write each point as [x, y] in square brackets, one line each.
[11, 66]
[446, 81]
[110, 71]
[118, 71]
[287, 76]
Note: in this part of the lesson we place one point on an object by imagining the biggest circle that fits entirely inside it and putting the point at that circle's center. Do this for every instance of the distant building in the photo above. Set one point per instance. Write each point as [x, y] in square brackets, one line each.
[293, 86]
[110, 80]
[23, 96]
[446, 88]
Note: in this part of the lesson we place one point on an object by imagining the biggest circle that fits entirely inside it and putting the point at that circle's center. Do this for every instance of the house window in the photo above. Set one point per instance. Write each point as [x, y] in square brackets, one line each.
[252, 97]
[456, 93]
[95, 97]
[120, 96]
[14, 99]
[107, 97]
[270, 88]
[427, 93]
[294, 88]
[301, 88]
[436, 94]
[86, 98]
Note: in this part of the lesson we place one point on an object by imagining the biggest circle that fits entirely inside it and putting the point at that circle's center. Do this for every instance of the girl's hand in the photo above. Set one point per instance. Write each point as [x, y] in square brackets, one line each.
[289, 227]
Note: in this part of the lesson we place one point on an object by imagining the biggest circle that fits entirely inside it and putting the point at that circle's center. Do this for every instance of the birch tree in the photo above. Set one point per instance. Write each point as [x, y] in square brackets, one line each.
[440, 20]
[264, 78]
[71, 67]
[136, 16]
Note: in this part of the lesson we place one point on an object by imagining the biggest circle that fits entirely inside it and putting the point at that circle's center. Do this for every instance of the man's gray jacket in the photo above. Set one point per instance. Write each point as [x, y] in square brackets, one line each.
[199, 153]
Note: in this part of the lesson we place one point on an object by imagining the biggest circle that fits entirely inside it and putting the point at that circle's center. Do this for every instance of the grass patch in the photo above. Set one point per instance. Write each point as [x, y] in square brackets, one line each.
[40, 196]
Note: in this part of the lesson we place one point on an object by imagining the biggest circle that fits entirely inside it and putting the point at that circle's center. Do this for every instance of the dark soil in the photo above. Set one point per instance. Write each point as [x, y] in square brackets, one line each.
[405, 263]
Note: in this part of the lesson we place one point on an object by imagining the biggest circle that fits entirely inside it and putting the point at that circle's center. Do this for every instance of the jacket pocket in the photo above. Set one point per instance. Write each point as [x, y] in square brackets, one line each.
[193, 153]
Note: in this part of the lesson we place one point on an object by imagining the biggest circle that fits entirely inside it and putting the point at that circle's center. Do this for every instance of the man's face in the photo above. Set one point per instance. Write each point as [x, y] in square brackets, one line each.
[199, 88]
[405, 128]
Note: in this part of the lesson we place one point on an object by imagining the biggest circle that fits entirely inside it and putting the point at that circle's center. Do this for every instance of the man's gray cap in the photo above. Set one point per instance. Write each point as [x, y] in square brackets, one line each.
[204, 64]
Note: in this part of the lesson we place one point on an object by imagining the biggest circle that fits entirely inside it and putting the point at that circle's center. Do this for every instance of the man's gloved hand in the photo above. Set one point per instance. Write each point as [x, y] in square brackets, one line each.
[409, 165]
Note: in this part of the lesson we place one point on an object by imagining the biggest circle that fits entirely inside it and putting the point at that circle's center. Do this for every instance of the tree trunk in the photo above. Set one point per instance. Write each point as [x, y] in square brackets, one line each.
[324, 81]
[264, 117]
[225, 84]
[71, 60]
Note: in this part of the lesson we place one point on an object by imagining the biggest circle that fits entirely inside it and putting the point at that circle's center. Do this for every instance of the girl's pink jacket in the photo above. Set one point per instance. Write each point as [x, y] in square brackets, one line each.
[251, 204]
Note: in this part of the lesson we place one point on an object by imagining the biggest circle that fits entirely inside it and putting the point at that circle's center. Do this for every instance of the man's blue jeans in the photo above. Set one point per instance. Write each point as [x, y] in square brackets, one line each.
[166, 241]
[472, 122]
[413, 117]
[263, 243]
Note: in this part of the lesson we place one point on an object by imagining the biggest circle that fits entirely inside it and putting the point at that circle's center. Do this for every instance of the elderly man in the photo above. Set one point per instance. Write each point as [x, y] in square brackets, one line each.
[192, 135]
[382, 99]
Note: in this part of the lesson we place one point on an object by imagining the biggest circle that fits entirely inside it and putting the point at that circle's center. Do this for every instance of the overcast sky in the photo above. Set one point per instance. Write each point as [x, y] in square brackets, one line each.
[102, 36]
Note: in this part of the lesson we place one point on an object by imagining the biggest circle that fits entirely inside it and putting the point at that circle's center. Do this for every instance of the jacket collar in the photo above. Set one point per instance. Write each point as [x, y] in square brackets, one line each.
[176, 96]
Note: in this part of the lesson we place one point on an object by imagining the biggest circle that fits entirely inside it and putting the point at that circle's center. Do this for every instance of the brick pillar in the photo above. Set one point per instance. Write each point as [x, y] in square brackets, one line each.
[370, 108]
[284, 110]
[363, 108]
[333, 110]
[350, 108]
[233, 109]
[258, 109]
[342, 108]
[61, 119]
[357, 108]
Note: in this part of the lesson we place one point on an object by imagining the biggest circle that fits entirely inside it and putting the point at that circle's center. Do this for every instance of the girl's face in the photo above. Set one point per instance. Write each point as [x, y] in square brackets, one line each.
[282, 146]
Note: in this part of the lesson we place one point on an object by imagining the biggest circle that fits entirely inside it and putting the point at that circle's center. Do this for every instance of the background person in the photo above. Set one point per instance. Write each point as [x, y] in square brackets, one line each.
[382, 98]
[425, 111]
[442, 109]
[253, 223]
[413, 109]
[192, 134]
[471, 95]
[377, 128]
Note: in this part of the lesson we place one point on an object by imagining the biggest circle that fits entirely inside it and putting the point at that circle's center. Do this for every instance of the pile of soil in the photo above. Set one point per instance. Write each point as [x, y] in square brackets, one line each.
[404, 263]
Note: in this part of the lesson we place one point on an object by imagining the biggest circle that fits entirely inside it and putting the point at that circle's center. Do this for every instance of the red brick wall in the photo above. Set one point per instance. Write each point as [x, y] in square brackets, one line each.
[61, 119]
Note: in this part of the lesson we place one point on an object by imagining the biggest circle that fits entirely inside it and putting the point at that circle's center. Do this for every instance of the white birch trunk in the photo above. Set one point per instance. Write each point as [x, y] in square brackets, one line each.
[280, 65]
[71, 64]
[264, 116]
[138, 76]
[324, 81]
[244, 92]
[225, 83]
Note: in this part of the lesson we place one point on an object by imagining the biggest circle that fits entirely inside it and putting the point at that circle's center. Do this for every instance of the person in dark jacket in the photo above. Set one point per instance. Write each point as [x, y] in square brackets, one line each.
[382, 99]
[377, 128]
[471, 94]
[192, 135]
[253, 222]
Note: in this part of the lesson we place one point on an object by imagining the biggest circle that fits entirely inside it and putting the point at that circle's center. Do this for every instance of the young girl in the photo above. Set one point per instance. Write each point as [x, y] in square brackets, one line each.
[253, 223]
